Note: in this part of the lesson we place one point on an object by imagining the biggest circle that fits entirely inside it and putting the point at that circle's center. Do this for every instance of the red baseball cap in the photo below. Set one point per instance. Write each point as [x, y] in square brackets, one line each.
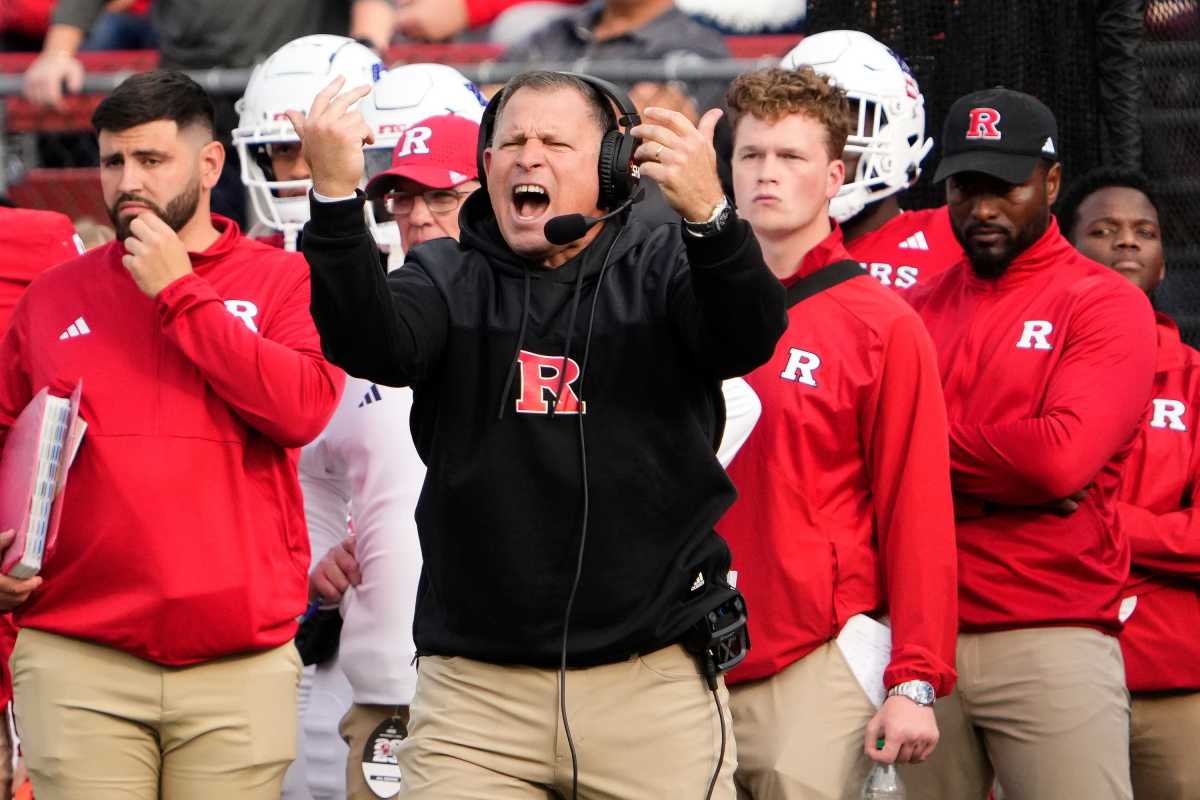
[438, 152]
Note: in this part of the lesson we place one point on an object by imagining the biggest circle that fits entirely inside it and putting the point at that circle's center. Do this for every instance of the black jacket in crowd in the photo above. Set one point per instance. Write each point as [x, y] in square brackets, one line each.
[501, 511]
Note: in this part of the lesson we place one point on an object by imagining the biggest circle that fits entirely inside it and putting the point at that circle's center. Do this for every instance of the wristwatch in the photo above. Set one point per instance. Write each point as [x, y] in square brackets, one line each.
[920, 692]
[714, 224]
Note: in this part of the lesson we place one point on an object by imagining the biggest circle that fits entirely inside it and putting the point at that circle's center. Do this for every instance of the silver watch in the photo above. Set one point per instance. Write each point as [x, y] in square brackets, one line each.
[920, 692]
[715, 223]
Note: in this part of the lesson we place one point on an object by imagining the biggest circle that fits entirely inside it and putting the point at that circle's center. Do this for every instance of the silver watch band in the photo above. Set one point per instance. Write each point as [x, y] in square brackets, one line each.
[920, 692]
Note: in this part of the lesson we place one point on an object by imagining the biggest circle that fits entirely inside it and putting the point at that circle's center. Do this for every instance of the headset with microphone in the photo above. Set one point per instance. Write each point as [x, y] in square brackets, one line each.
[619, 180]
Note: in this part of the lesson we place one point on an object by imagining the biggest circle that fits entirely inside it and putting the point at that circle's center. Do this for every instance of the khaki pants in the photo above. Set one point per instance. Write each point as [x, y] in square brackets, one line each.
[1042, 710]
[100, 724]
[358, 724]
[1163, 736]
[644, 729]
[800, 731]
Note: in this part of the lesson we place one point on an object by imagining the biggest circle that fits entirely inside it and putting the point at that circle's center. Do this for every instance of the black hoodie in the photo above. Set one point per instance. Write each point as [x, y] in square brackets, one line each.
[501, 511]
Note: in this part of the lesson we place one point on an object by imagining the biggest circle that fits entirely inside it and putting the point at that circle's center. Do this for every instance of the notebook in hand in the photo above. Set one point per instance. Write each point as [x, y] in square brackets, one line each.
[40, 447]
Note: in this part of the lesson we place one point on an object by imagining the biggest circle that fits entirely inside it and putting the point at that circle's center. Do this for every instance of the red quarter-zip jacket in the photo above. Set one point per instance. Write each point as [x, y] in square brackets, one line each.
[1047, 372]
[182, 535]
[844, 503]
[909, 249]
[1158, 513]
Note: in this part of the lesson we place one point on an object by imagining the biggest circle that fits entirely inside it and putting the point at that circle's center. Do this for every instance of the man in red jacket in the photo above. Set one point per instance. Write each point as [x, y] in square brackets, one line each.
[844, 512]
[1047, 361]
[1110, 215]
[155, 658]
[30, 243]
[883, 155]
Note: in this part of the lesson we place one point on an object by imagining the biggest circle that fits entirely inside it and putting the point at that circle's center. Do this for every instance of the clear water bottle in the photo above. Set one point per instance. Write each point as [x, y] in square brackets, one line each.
[883, 782]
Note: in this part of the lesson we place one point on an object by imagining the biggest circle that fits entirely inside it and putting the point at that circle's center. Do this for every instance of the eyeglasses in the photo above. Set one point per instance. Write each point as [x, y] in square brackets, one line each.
[440, 201]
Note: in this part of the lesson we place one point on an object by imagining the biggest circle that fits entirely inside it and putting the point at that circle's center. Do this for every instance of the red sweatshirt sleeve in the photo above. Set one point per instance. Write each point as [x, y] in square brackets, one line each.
[1096, 396]
[904, 431]
[1165, 543]
[276, 380]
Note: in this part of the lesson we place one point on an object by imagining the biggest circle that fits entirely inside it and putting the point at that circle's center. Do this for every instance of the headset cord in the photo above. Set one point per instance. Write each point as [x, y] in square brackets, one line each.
[710, 669]
[583, 472]
[710, 677]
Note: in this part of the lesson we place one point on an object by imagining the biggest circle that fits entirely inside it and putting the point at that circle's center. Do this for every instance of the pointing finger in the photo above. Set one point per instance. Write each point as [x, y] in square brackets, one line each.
[321, 101]
[655, 133]
[677, 122]
[156, 224]
[346, 99]
[138, 227]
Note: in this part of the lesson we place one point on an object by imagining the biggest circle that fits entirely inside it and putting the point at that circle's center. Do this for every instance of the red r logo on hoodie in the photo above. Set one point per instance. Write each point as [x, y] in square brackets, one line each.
[982, 124]
[540, 379]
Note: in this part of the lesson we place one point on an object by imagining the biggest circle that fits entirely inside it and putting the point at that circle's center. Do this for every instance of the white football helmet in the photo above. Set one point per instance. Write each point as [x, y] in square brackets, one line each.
[890, 140]
[405, 95]
[289, 80]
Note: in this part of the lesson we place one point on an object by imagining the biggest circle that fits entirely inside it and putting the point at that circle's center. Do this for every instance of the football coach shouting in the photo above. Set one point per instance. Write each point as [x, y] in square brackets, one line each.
[566, 402]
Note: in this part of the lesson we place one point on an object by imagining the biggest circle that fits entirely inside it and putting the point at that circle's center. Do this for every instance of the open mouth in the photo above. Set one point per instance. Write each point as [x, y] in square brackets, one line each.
[530, 200]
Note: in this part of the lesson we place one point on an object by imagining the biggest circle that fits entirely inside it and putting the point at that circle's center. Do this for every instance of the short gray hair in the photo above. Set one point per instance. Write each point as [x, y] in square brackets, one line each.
[547, 80]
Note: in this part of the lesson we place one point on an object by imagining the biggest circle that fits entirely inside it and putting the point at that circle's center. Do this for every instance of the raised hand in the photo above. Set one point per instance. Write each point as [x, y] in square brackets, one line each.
[680, 158]
[332, 138]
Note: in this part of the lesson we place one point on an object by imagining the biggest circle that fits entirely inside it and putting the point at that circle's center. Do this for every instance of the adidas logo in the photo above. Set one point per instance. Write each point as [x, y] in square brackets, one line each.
[915, 242]
[1048, 147]
[372, 396]
[76, 328]
[698, 584]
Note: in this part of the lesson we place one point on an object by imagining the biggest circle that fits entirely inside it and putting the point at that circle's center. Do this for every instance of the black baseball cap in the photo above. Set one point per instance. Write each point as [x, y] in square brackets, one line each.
[998, 132]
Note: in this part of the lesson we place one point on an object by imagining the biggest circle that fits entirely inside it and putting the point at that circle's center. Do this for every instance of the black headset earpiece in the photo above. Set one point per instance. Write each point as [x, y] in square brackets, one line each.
[617, 172]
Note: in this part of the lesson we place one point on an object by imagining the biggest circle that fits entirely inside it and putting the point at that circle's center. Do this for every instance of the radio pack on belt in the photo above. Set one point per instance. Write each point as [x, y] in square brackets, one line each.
[720, 639]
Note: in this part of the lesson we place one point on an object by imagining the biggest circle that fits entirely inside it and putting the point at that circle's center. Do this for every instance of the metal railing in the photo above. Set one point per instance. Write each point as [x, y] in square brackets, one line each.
[685, 67]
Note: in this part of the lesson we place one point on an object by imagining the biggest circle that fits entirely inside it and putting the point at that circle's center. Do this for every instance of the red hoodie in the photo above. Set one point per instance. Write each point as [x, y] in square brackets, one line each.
[1158, 513]
[1047, 372]
[844, 502]
[182, 535]
[908, 250]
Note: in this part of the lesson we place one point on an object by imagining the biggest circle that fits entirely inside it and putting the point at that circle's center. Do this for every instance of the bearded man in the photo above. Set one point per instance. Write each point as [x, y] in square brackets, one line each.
[155, 655]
